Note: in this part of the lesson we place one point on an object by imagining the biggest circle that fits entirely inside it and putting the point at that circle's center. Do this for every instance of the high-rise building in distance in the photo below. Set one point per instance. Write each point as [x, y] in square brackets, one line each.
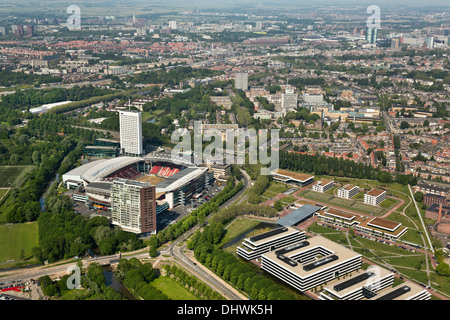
[371, 35]
[133, 206]
[241, 81]
[131, 132]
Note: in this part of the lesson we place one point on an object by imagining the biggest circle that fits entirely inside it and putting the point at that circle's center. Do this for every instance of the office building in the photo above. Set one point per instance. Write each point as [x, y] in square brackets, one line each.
[221, 172]
[310, 263]
[286, 176]
[133, 206]
[429, 41]
[371, 35]
[405, 291]
[254, 247]
[241, 81]
[374, 197]
[131, 133]
[360, 285]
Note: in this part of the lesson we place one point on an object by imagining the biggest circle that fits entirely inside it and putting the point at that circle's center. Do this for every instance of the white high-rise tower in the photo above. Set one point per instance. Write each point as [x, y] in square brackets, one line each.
[131, 132]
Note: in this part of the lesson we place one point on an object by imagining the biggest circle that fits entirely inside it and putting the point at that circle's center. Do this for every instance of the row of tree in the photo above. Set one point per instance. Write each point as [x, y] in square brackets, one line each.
[231, 269]
[192, 283]
[197, 216]
[322, 165]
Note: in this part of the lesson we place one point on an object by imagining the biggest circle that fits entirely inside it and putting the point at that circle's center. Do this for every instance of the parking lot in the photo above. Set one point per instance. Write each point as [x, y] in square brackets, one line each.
[172, 216]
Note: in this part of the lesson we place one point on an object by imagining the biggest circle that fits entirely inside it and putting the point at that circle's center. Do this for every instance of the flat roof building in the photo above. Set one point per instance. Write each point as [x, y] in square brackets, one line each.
[348, 191]
[359, 285]
[323, 185]
[133, 206]
[405, 291]
[374, 197]
[310, 263]
[286, 176]
[254, 247]
[131, 141]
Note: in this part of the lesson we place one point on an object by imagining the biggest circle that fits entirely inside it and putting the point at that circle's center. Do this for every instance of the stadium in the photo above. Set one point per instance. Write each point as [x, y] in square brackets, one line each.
[176, 179]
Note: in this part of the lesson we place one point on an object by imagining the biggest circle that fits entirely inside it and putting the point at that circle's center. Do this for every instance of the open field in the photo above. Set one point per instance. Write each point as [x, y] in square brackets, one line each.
[3, 191]
[172, 289]
[17, 240]
[10, 176]
[344, 203]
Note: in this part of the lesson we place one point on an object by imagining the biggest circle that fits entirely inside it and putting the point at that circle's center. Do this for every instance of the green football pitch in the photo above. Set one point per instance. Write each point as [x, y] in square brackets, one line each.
[10, 176]
[17, 240]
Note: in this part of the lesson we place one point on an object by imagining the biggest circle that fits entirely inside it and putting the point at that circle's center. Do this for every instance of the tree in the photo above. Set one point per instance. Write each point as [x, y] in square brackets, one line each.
[418, 196]
[443, 269]
[278, 205]
[404, 125]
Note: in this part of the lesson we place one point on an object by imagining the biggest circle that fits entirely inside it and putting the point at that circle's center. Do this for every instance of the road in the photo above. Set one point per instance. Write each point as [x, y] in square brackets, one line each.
[176, 250]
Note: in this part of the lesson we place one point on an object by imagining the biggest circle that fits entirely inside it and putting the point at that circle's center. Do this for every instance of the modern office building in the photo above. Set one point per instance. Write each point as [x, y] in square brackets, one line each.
[286, 176]
[100, 151]
[131, 142]
[405, 291]
[254, 247]
[221, 172]
[241, 81]
[133, 206]
[310, 263]
[374, 197]
[323, 185]
[179, 188]
[348, 191]
[360, 285]
[371, 35]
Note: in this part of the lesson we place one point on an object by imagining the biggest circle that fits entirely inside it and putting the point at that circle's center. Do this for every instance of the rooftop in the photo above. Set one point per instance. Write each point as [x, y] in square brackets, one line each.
[291, 262]
[293, 175]
[375, 192]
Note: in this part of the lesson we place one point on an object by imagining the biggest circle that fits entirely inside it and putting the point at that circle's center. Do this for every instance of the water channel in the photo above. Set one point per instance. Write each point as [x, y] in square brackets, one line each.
[113, 282]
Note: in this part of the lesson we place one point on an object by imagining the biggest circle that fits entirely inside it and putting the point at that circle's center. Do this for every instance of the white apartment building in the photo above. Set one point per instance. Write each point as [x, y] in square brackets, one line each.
[323, 185]
[348, 191]
[241, 81]
[374, 197]
[131, 133]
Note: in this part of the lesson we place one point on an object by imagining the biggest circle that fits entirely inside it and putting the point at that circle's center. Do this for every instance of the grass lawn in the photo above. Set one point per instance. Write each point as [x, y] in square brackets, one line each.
[275, 189]
[172, 289]
[15, 238]
[3, 192]
[238, 227]
[10, 176]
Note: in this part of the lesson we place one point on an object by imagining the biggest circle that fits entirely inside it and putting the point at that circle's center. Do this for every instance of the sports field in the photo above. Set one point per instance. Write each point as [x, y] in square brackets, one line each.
[17, 240]
[10, 176]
